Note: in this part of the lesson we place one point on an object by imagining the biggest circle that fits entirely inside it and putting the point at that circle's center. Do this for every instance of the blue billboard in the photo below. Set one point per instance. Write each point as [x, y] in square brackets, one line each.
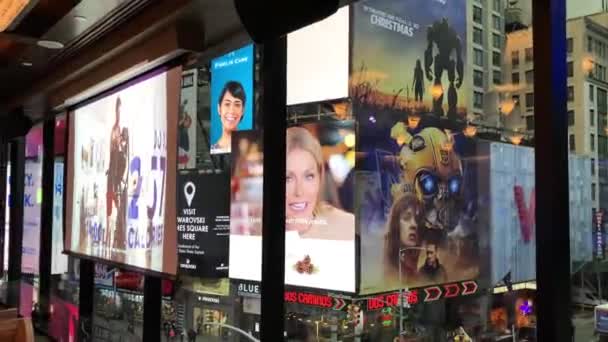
[231, 97]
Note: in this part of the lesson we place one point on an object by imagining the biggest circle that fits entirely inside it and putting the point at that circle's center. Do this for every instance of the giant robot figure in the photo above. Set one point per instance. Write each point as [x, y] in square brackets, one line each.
[448, 43]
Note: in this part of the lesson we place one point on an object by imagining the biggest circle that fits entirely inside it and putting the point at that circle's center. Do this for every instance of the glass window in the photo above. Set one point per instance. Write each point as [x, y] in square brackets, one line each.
[118, 306]
[496, 22]
[530, 100]
[477, 15]
[478, 78]
[478, 57]
[570, 69]
[530, 77]
[530, 122]
[593, 191]
[591, 93]
[592, 166]
[496, 58]
[515, 99]
[602, 105]
[570, 118]
[515, 78]
[589, 44]
[515, 58]
[570, 94]
[496, 41]
[498, 6]
[497, 77]
[477, 36]
[592, 117]
[529, 54]
[478, 99]
[569, 45]
[572, 142]
[592, 142]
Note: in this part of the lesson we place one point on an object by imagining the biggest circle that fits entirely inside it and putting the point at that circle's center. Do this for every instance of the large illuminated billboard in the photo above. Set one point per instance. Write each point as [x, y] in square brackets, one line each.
[411, 53]
[423, 206]
[59, 261]
[32, 198]
[232, 97]
[121, 185]
[320, 222]
[313, 76]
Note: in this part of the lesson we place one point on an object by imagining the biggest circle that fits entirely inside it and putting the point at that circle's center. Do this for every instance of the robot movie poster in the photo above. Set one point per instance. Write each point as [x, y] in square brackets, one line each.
[410, 55]
[423, 206]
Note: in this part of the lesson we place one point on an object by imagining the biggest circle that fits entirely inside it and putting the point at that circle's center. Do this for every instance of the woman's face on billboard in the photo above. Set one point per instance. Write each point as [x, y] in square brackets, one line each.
[408, 229]
[231, 111]
[303, 183]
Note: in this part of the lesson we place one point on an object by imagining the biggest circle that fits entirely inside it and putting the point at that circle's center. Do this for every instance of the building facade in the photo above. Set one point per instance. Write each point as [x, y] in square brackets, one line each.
[587, 46]
[486, 34]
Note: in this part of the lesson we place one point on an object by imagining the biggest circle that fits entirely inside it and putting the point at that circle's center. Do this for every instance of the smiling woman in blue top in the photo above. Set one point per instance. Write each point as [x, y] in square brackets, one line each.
[230, 107]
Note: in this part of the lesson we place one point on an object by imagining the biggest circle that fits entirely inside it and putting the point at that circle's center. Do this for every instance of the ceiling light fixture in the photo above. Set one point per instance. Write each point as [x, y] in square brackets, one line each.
[80, 18]
[10, 10]
[26, 64]
[50, 44]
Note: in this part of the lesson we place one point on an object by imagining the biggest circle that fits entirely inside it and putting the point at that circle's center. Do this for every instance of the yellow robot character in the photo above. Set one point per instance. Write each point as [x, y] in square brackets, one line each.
[432, 171]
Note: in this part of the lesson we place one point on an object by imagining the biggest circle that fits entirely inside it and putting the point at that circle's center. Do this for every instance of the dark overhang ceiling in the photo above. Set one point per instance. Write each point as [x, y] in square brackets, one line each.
[73, 23]
[78, 24]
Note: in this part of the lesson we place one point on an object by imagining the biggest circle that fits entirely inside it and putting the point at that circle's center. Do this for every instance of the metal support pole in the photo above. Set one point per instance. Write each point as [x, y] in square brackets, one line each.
[46, 220]
[551, 162]
[3, 203]
[274, 94]
[16, 220]
[400, 296]
[85, 300]
[153, 294]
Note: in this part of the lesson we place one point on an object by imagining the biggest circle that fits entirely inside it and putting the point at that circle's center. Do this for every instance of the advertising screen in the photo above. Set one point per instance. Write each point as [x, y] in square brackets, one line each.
[513, 202]
[423, 206]
[312, 75]
[203, 224]
[403, 54]
[320, 222]
[232, 97]
[59, 261]
[246, 184]
[121, 186]
[32, 198]
[186, 138]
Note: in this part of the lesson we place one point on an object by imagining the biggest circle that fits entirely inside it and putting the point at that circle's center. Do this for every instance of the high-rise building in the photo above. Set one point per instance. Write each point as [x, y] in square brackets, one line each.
[486, 32]
[587, 64]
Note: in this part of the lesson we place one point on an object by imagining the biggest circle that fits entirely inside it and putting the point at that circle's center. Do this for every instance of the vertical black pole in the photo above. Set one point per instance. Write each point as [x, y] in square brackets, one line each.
[274, 97]
[152, 308]
[46, 219]
[3, 204]
[16, 220]
[552, 206]
[85, 300]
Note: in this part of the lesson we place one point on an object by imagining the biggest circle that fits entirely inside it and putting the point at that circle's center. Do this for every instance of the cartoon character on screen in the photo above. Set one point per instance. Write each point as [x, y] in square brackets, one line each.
[116, 194]
[432, 171]
[448, 59]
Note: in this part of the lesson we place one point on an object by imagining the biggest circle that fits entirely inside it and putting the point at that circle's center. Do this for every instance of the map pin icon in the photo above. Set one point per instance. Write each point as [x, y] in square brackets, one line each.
[189, 191]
